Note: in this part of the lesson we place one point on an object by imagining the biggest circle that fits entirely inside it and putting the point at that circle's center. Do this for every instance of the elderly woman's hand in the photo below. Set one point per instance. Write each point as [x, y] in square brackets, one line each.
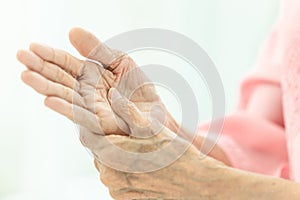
[190, 176]
[78, 89]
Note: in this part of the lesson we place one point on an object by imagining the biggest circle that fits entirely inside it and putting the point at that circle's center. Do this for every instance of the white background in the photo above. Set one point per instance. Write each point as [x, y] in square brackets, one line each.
[40, 154]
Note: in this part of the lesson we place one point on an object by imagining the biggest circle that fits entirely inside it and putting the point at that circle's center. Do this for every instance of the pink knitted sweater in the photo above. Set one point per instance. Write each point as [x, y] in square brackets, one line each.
[263, 134]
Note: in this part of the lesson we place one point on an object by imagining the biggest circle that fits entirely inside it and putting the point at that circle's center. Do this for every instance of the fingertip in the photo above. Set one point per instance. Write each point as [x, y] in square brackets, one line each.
[84, 41]
[20, 54]
[33, 46]
[51, 102]
[59, 105]
[37, 47]
[76, 30]
[25, 76]
[34, 80]
[46, 101]
[75, 34]
[28, 58]
[29, 78]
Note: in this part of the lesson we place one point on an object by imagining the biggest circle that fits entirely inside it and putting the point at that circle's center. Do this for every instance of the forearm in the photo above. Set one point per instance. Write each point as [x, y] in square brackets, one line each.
[221, 182]
[245, 185]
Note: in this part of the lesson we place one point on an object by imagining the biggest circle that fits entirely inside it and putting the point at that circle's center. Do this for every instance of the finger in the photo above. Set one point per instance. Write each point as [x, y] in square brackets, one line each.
[75, 113]
[126, 109]
[139, 124]
[47, 87]
[89, 46]
[59, 57]
[46, 69]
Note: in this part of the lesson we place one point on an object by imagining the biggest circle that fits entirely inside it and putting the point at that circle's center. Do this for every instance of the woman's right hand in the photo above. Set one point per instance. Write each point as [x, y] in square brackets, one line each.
[78, 89]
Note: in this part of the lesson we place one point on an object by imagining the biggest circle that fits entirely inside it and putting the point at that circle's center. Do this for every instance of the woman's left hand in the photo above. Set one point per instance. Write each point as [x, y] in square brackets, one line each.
[191, 176]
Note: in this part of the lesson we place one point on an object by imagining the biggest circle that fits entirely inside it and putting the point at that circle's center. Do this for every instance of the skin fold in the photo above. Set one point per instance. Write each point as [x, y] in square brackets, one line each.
[103, 98]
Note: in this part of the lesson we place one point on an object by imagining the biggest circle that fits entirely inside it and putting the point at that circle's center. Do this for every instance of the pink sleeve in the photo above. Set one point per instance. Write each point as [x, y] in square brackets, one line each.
[291, 83]
[253, 137]
[253, 144]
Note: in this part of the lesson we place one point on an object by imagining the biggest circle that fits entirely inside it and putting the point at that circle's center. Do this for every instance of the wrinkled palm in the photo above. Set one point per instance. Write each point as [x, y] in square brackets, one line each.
[78, 89]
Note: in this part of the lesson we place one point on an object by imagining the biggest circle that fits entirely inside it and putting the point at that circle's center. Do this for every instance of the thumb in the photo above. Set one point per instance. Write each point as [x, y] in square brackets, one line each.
[139, 123]
[91, 47]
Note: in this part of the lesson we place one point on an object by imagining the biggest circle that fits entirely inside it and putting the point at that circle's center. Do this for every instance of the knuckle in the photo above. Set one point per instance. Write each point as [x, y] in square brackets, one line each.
[66, 94]
[53, 54]
[47, 87]
[43, 67]
[66, 60]
[59, 75]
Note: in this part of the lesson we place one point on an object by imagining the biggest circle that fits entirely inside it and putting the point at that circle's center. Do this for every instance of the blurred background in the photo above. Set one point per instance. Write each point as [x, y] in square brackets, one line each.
[40, 153]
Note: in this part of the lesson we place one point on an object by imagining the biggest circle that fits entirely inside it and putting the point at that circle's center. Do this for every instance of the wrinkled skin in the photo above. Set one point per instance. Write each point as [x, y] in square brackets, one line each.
[191, 176]
[78, 89]
[169, 182]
